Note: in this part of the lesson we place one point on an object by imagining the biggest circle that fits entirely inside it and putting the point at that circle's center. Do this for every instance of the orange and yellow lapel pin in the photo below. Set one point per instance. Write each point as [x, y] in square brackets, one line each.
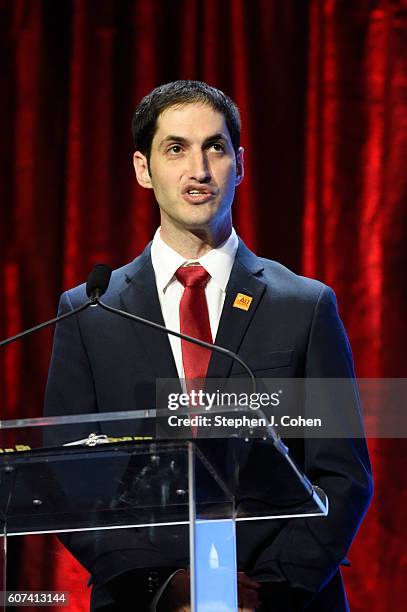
[242, 301]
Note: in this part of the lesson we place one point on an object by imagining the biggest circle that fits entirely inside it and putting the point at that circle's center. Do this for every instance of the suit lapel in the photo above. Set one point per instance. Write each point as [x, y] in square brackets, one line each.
[140, 297]
[234, 322]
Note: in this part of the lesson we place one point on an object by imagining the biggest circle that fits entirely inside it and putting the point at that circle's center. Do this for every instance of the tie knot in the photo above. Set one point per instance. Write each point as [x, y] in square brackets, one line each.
[192, 276]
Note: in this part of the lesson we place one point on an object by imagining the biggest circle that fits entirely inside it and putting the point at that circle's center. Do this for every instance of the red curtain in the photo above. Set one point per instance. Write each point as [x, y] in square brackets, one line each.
[322, 90]
[354, 221]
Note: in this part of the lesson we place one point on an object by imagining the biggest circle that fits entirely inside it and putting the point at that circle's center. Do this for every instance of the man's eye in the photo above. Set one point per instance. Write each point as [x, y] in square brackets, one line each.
[218, 147]
[175, 149]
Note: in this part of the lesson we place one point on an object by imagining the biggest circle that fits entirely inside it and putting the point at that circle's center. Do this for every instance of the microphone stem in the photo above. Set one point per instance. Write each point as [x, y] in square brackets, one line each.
[66, 315]
[211, 347]
[277, 441]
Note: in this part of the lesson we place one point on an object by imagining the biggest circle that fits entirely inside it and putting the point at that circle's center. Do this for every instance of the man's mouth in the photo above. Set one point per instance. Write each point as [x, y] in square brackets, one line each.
[198, 196]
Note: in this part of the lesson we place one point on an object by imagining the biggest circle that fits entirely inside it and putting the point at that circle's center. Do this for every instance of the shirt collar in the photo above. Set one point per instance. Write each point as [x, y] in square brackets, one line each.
[218, 262]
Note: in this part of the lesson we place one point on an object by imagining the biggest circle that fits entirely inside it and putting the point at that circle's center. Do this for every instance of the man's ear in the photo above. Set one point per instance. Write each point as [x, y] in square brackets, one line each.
[141, 169]
[239, 166]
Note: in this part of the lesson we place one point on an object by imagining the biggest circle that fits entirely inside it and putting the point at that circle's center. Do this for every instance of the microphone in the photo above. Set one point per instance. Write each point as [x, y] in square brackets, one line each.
[97, 284]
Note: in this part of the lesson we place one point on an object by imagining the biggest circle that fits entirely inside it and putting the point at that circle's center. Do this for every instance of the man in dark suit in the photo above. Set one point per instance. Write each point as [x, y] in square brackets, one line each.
[188, 151]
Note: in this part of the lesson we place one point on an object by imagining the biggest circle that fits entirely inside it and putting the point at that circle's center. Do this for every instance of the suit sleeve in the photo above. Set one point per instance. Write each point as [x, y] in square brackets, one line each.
[307, 552]
[70, 389]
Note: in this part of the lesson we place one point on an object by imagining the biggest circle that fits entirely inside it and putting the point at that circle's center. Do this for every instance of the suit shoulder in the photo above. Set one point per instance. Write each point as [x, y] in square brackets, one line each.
[288, 283]
[118, 281]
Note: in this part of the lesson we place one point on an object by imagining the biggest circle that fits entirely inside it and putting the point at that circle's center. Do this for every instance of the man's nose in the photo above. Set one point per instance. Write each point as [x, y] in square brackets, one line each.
[199, 167]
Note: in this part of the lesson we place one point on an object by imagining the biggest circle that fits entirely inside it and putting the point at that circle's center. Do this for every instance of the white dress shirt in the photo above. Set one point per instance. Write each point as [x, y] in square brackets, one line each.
[218, 262]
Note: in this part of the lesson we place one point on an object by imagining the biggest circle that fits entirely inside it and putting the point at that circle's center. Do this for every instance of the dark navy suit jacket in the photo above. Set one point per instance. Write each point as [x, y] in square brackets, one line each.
[102, 362]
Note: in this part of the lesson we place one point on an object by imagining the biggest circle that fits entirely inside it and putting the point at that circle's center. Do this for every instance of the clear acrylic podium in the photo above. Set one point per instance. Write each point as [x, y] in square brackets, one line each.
[101, 473]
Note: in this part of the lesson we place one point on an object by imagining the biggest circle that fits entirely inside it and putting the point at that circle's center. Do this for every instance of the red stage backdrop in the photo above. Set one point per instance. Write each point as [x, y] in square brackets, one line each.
[322, 90]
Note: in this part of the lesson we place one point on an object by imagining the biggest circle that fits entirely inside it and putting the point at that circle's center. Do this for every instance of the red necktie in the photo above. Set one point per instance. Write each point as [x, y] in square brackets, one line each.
[194, 321]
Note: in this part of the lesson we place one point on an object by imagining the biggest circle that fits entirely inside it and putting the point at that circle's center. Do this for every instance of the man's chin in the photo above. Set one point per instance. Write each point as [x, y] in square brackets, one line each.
[197, 221]
[198, 218]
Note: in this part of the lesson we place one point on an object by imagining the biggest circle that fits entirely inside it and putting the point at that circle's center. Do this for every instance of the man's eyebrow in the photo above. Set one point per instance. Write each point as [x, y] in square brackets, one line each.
[215, 137]
[172, 138]
[182, 140]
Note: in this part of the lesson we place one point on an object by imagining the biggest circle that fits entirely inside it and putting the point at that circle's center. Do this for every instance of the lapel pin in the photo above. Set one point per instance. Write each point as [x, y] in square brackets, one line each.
[242, 301]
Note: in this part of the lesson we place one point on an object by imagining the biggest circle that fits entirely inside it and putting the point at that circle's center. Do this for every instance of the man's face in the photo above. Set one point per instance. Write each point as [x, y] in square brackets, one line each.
[193, 168]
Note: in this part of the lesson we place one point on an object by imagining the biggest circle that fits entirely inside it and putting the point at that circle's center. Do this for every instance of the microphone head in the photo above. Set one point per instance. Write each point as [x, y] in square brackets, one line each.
[98, 280]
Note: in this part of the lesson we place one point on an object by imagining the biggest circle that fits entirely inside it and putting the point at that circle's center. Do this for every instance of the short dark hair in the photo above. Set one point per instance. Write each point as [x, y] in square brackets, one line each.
[144, 123]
